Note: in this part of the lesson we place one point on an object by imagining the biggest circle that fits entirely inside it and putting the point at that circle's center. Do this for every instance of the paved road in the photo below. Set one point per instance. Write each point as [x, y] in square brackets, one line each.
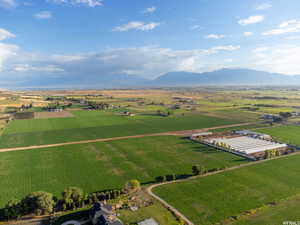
[178, 133]
[176, 211]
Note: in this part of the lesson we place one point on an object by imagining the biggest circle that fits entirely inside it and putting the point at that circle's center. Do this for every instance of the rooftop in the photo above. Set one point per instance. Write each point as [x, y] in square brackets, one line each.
[247, 144]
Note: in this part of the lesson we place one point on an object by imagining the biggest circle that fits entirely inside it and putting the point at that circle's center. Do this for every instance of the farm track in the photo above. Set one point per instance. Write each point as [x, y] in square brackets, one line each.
[176, 211]
[175, 133]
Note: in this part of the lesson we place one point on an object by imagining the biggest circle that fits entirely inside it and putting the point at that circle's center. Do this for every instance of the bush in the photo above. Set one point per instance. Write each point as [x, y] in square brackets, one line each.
[132, 186]
[13, 209]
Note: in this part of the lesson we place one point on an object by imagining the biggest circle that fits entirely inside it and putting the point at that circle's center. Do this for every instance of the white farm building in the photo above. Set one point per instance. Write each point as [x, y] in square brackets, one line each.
[246, 144]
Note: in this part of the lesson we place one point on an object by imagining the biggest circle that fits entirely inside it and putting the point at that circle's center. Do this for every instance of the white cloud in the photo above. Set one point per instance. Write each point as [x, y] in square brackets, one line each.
[215, 36]
[251, 20]
[68, 58]
[30, 68]
[247, 34]
[43, 15]
[196, 27]
[264, 6]
[149, 10]
[293, 37]
[6, 52]
[88, 3]
[260, 49]
[226, 48]
[149, 61]
[5, 34]
[136, 25]
[280, 59]
[228, 60]
[290, 26]
[8, 3]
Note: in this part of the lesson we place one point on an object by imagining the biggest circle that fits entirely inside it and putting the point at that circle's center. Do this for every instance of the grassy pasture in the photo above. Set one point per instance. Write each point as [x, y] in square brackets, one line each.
[93, 124]
[212, 199]
[105, 165]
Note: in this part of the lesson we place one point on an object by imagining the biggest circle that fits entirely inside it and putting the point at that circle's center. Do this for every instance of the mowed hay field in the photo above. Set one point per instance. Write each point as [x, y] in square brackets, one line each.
[214, 198]
[103, 165]
[87, 125]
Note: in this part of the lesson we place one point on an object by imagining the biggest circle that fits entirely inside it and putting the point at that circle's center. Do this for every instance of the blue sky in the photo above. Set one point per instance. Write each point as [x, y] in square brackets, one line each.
[63, 38]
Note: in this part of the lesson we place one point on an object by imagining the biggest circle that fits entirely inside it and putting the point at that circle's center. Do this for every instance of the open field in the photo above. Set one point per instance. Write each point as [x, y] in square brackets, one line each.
[88, 125]
[106, 165]
[275, 215]
[212, 199]
[46, 115]
[288, 134]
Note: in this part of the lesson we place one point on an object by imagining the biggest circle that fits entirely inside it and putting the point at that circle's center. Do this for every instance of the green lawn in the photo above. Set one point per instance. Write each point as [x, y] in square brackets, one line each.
[155, 211]
[288, 134]
[103, 165]
[93, 124]
[214, 198]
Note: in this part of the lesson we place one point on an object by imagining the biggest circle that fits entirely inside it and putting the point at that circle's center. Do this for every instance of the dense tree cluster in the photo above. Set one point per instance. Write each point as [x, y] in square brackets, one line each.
[38, 203]
[98, 105]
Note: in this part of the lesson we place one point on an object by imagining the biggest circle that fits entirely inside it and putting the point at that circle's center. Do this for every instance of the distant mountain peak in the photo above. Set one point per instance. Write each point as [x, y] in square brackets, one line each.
[226, 76]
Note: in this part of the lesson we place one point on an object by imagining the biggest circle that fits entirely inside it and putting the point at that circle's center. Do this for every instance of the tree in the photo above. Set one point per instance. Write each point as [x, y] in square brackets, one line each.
[132, 186]
[12, 209]
[169, 113]
[39, 203]
[285, 114]
[73, 197]
[203, 170]
[160, 179]
[196, 170]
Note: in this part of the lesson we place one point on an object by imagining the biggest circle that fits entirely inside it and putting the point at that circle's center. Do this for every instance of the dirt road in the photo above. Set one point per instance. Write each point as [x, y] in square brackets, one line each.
[176, 133]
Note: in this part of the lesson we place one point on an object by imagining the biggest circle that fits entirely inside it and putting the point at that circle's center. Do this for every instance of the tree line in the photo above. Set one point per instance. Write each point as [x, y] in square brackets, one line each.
[44, 203]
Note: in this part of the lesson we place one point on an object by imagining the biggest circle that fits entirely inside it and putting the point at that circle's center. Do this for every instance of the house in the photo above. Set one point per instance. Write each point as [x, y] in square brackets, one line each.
[103, 214]
[271, 117]
[126, 113]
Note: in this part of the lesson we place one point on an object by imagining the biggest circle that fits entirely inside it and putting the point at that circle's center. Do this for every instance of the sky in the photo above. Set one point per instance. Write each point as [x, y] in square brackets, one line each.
[76, 39]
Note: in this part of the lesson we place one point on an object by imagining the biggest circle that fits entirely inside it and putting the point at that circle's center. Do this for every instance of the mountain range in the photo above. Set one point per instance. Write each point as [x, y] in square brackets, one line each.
[172, 79]
[226, 77]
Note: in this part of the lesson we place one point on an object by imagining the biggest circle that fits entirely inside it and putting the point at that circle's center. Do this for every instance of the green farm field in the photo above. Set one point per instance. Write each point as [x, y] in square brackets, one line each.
[103, 165]
[93, 124]
[288, 134]
[274, 215]
[213, 199]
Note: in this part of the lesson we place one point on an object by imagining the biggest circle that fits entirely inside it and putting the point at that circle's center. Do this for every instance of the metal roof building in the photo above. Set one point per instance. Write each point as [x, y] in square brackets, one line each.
[248, 145]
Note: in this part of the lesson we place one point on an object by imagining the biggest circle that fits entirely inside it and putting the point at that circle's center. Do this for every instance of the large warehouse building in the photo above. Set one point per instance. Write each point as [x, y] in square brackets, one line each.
[246, 144]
